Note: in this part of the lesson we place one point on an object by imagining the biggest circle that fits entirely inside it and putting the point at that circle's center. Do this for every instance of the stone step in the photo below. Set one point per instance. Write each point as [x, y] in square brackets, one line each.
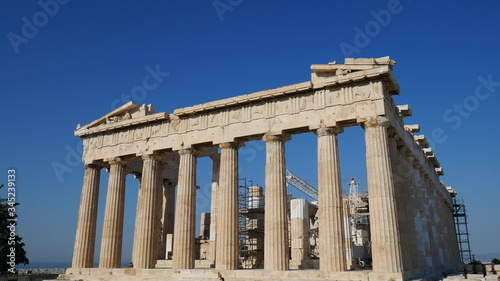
[199, 264]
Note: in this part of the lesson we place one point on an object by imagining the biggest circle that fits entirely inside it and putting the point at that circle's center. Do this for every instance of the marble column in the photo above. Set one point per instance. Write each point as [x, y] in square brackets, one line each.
[424, 215]
[399, 187]
[386, 244]
[83, 255]
[214, 207]
[434, 218]
[331, 220]
[145, 248]
[276, 244]
[432, 230]
[407, 203]
[112, 232]
[137, 176]
[227, 228]
[160, 211]
[168, 208]
[408, 206]
[184, 230]
[419, 213]
[299, 228]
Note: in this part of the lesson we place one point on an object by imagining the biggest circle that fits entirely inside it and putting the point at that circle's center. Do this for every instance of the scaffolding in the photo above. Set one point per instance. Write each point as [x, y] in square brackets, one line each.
[359, 225]
[251, 224]
[460, 216]
[243, 208]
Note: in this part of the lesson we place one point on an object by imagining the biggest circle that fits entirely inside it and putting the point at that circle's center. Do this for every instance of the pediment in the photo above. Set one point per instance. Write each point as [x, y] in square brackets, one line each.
[127, 114]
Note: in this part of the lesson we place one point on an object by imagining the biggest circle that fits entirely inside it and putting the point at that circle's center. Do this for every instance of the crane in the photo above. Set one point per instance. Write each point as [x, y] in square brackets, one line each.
[293, 180]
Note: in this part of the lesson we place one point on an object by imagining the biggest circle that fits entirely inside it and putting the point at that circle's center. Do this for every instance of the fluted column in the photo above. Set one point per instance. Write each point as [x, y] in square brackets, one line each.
[386, 244]
[112, 232]
[160, 212]
[227, 228]
[432, 216]
[424, 213]
[399, 187]
[138, 176]
[331, 220]
[83, 255]
[145, 240]
[408, 203]
[276, 249]
[214, 207]
[184, 230]
[168, 208]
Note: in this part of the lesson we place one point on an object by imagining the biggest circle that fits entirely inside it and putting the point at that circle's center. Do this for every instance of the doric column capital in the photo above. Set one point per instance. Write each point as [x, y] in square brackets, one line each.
[118, 161]
[269, 137]
[236, 144]
[377, 121]
[93, 166]
[188, 151]
[327, 131]
[152, 157]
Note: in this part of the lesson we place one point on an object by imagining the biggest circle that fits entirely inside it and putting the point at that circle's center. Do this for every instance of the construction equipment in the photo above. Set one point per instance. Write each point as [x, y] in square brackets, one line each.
[460, 216]
[293, 180]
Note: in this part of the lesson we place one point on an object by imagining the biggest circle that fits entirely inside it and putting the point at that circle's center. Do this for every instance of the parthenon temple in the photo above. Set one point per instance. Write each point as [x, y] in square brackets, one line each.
[411, 228]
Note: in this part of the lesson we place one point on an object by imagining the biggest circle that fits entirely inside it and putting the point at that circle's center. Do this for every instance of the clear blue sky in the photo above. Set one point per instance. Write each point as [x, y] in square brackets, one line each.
[74, 62]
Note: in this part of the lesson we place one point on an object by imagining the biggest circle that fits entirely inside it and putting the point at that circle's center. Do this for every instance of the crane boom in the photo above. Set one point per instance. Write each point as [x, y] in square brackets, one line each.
[293, 180]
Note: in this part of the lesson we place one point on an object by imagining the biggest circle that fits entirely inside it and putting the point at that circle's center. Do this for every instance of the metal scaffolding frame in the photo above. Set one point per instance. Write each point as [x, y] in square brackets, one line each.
[462, 229]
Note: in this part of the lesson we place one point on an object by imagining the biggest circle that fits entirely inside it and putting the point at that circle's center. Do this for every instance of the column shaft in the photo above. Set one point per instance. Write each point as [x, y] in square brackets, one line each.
[83, 255]
[214, 206]
[299, 229]
[160, 211]
[331, 220]
[112, 232]
[409, 208]
[227, 227]
[168, 207]
[386, 245]
[399, 190]
[184, 230]
[138, 176]
[432, 215]
[276, 250]
[421, 191]
[146, 241]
